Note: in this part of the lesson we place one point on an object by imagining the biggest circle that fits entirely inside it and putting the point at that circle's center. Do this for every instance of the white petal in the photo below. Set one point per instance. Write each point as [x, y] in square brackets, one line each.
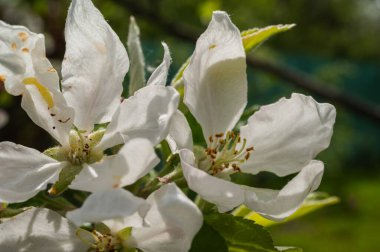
[57, 120]
[225, 194]
[137, 71]
[286, 135]
[171, 222]
[272, 204]
[39, 230]
[107, 205]
[215, 80]
[146, 114]
[134, 160]
[22, 55]
[180, 136]
[277, 205]
[94, 66]
[24, 172]
[159, 76]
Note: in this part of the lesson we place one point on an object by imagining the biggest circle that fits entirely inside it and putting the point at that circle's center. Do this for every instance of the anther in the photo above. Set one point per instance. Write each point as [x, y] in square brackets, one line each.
[219, 135]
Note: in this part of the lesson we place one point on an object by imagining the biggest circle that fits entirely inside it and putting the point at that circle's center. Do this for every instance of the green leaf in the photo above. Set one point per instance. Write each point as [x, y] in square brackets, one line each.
[66, 176]
[10, 212]
[207, 240]
[313, 202]
[136, 57]
[177, 80]
[254, 37]
[241, 234]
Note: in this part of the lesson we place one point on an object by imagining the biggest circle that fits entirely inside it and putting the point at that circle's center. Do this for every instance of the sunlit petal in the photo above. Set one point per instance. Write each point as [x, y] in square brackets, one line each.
[94, 66]
[286, 135]
[215, 79]
[24, 172]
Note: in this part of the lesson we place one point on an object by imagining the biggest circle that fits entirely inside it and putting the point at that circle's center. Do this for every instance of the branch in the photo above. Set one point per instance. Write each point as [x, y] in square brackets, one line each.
[293, 76]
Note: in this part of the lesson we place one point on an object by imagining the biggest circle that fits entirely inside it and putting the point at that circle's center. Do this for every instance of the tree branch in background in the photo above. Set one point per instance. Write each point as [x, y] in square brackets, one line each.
[295, 77]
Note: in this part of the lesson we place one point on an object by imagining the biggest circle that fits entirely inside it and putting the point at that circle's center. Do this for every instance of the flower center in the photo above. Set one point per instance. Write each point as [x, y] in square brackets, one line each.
[81, 148]
[226, 154]
[99, 242]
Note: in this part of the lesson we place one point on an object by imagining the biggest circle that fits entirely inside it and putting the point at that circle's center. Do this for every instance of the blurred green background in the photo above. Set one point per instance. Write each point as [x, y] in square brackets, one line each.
[335, 46]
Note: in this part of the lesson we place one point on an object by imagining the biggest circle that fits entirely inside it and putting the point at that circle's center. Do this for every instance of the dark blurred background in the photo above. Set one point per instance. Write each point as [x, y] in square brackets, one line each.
[332, 54]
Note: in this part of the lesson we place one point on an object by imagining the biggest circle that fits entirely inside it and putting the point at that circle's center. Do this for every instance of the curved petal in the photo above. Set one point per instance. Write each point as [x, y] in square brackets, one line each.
[39, 230]
[215, 79]
[134, 160]
[160, 75]
[57, 120]
[22, 55]
[24, 69]
[180, 136]
[146, 114]
[286, 135]
[224, 194]
[94, 66]
[272, 204]
[171, 222]
[279, 204]
[112, 205]
[24, 172]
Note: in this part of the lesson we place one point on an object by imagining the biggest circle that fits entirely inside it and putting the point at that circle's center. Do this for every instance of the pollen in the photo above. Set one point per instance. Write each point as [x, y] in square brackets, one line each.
[23, 36]
[25, 50]
[226, 154]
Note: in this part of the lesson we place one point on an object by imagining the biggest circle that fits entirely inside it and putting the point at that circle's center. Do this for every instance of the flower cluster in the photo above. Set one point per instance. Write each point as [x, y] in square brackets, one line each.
[106, 143]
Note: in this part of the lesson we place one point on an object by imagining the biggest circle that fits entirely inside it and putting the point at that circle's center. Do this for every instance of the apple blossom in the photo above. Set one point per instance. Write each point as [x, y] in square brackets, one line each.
[166, 221]
[93, 69]
[282, 138]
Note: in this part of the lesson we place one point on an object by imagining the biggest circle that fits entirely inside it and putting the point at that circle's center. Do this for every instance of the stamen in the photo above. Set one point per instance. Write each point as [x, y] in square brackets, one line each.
[219, 135]
[226, 154]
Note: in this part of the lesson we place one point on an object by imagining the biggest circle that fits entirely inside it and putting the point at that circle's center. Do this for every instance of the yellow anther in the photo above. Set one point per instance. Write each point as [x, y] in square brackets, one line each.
[14, 46]
[45, 93]
[25, 50]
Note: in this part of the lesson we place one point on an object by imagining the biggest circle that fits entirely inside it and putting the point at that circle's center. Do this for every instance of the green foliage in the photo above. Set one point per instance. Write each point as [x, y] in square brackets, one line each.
[66, 176]
[207, 239]
[253, 38]
[240, 234]
[313, 202]
[136, 57]
[10, 212]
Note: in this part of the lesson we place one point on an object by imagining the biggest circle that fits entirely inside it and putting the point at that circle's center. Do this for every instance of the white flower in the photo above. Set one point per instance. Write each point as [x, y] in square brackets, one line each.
[93, 70]
[166, 221]
[39, 230]
[281, 138]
